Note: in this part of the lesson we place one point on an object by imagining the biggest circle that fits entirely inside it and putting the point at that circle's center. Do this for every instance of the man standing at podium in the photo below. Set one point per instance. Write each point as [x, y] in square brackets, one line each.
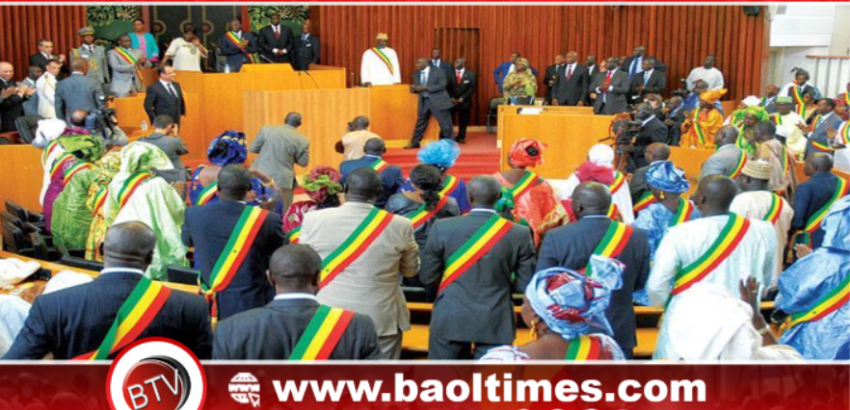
[238, 47]
[276, 41]
[430, 83]
[380, 64]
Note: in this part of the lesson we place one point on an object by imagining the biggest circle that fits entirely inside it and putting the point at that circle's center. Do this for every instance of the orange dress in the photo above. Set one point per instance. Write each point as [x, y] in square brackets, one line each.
[703, 127]
[537, 206]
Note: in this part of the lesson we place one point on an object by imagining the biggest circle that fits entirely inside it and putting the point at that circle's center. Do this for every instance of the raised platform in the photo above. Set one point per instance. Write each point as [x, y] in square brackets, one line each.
[479, 156]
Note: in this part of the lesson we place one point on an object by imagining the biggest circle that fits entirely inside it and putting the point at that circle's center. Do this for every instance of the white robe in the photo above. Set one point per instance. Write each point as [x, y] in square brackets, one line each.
[794, 138]
[373, 70]
[622, 198]
[755, 205]
[46, 89]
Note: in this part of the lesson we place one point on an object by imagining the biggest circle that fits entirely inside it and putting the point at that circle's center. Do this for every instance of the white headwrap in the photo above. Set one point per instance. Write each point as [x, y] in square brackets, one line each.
[602, 155]
[752, 101]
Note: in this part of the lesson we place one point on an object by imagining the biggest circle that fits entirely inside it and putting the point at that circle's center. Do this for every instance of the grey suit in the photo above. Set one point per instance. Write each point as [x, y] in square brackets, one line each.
[819, 134]
[124, 78]
[722, 162]
[281, 147]
[174, 148]
[96, 57]
[434, 101]
[31, 103]
[77, 92]
[612, 101]
[770, 107]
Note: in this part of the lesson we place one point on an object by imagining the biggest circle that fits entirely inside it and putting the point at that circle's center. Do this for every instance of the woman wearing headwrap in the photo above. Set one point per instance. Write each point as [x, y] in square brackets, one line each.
[108, 166]
[701, 126]
[79, 151]
[323, 187]
[809, 108]
[424, 204]
[562, 308]
[521, 82]
[599, 167]
[750, 116]
[525, 195]
[443, 154]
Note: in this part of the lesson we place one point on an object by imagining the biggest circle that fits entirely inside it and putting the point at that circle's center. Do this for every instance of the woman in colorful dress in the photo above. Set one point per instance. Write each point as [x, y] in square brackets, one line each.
[520, 83]
[701, 125]
[750, 116]
[667, 184]
[526, 197]
[562, 308]
[78, 150]
[144, 41]
[108, 166]
[443, 154]
[323, 187]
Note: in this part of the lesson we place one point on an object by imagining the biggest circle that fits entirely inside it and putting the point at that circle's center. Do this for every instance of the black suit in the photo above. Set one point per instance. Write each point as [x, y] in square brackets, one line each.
[569, 91]
[159, 101]
[627, 64]
[477, 307]
[208, 228]
[41, 60]
[571, 247]
[613, 101]
[653, 131]
[11, 108]
[74, 321]
[549, 78]
[674, 131]
[305, 52]
[444, 65]
[433, 101]
[592, 73]
[655, 84]
[268, 41]
[462, 92]
[272, 331]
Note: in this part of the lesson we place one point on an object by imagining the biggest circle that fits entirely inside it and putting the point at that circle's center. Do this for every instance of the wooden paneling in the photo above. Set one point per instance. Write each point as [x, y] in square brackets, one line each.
[393, 111]
[22, 175]
[681, 36]
[22, 26]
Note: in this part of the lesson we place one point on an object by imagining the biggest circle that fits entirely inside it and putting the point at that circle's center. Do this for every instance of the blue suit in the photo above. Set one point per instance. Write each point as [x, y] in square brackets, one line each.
[74, 321]
[235, 56]
[502, 71]
[811, 196]
[208, 228]
[391, 176]
[819, 134]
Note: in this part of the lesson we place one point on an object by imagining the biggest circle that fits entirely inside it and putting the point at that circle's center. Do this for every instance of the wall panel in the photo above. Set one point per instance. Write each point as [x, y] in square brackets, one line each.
[22, 26]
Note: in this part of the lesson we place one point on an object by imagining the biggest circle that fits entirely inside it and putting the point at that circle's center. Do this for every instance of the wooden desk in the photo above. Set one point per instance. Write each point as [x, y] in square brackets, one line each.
[393, 110]
[22, 175]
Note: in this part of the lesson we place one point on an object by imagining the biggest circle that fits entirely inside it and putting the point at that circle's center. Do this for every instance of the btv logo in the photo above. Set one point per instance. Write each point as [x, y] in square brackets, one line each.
[245, 388]
[156, 374]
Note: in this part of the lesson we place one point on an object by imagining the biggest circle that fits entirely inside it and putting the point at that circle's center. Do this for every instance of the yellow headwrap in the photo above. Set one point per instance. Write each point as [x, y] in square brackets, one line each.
[713, 95]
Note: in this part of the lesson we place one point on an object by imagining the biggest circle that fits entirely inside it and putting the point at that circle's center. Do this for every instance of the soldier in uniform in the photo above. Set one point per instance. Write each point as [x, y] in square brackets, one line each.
[94, 54]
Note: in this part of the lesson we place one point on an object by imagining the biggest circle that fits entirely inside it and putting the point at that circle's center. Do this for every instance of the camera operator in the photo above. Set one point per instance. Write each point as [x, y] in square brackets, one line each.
[101, 123]
[651, 130]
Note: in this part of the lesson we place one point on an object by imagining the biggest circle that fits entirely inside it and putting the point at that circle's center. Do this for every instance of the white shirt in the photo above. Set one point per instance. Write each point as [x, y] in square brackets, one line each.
[46, 89]
[169, 87]
[646, 75]
[373, 70]
[296, 295]
[423, 75]
[712, 76]
[185, 55]
[794, 139]
[842, 156]
[755, 205]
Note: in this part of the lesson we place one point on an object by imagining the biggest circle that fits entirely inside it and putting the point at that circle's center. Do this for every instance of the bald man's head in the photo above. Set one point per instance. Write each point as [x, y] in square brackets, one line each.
[295, 268]
[375, 146]
[484, 191]
[591, 198]
[361, 122]
[727, 135]
[818, 163]
[657, 151]
[79, 65]
[128, 245]
[293, 119]
[715, 194]
[78, 118]
[234, 182]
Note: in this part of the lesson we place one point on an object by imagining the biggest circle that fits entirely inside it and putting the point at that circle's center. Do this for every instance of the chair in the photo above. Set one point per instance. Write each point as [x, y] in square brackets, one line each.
[81, 263]
[42, 250]
[186, 276]
[493, 113]
[24, 215]
[521, 100]
[15, 241]
[27, 127]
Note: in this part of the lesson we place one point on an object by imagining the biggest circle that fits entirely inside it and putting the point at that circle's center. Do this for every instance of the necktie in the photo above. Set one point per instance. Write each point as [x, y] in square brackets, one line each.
[459, 76]
[610, 73]
[569, 72]
[171, 90]
[634, 66]
[645, 78]
[423, 80]
[276, 32]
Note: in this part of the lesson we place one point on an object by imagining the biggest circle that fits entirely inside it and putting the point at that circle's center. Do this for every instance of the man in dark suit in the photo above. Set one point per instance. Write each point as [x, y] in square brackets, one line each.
[474, 312]
[431, 84]
[78, 92]
[165, 97]
[650, 81]
[75, 321]
[673, 119]
[437, 61]
[815, 132]
[592, 73]
[45, 55]
[611, 89]
[462, 85]
[655, 152]
[391, 176]
[306, 49]
[276, 41]
[768, 102]
[237, 47]
[571, 247]
[633, 65]
[13, 97]
[814, 194]
[209, 228]
[652, 130]
[551, 76]
[275, 331]
[572, 83]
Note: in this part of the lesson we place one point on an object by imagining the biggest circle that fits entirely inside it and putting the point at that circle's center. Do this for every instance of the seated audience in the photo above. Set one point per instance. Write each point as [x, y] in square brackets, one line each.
[354, 141]
[165, 138]
[391, 176]
[814, 198]
[599, 167]
[323, 188]
[786, 121]
[443, 154]
[674, 116]
[287, 328]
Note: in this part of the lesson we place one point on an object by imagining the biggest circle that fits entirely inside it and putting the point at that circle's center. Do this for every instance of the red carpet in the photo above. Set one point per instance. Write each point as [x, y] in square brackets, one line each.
[478, 156]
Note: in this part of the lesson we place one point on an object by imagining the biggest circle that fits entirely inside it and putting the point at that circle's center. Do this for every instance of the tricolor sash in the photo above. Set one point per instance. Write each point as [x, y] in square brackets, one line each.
[383, 57]
[814, 223]
[777, 119]
[449, 185]
[775, 210]
[134, 316]
[487, 236]
[827, 304]
[357, 242]
[322, 334]
[421, 215]
[801, 110]
[847, 99]
[523, 185]
[98, 200]
[59, 163]
[698, 128]
[845, 133]
[821, 146]
[48, 150]
[742, 160]
[797, 93]
[683, 213]
[619, 181]
[584, 348]
[293, 235]
[645, 201]
[614, 213]
[130, 185]
[785, 159]
[612, 244]
[127, 56]
[379, 165]
[207, 194]
[233, 255]
[237, 41]
[727, 241]
[74, 169]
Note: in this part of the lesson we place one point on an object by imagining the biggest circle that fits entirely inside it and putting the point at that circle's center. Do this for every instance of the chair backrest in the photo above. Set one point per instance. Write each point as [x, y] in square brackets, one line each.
[184, 276]
[14, 240]
[17, 210]
[27, 126]
[11, 219]
[81, 263]
[521, 100]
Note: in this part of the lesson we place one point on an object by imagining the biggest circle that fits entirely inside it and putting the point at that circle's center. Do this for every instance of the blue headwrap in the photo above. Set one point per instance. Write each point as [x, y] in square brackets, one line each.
[441, 154]
[570, 303]
[666, 177]
[228, 148]
[836, 225]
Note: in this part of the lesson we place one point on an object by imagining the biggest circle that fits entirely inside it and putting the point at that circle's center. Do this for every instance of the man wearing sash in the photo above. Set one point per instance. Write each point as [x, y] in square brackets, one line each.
[786, 120]
[655, 152]
[363, 250]
[818, 132]
[126, 63]
[799, 87]
[841, 138]
[233, 244]
[720, 248]
[295, 325]
[814, 292]
[380, 64]
[814, 197]
[759, 202]
[783, 174]
[473, 258]
[391, 176]
[594, 233]
[94, 321]
[728, 160]
[239, 47]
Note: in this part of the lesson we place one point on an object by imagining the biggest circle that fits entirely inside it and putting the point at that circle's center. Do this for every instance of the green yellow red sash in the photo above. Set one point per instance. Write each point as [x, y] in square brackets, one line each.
[322, 334]
[723, 246]
[59, 163]
[786, 160]
[449, 185]
[130, 185]
[645, 201]
[777, 119]
[74, 169]
[98, 200]
[379, 165]
[683, 213]
[827, 304]
[422, 215]
[524, 184]
[814, 223]
[51, 146]
[584, 348]
[127, 56]
[698, 128]
[847, 99]
[619, 181]
[207, 194]
[797, 93]
[614, 213]
[775, 210]
[293, 235]
[134, 316]
[231, 36]
[383, 57]
[233, 255]
[354, 246]
[845, 133]
[822, 147]
[487, 236]
[742, 160]
[613, 242]
[801, 110]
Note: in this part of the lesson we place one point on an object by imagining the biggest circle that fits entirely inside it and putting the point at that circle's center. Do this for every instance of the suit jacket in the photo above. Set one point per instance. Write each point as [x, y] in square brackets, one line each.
[674, 132]
[550, 75]
[464, 90]
[174, 147]
[272, 331]
[208, 228]
[74, 321]
[268, 42]
[236, 57]
[770, 107]
[722, 162]
[819, 134]
[503, 70]
[30, 104]
[306, 52]
[11, 108]
[98, 66]
[281, 147]
[370, 284]
[811, 196]
[436, 91]
[391, 176]
[124, 78]
[571, 247]
[627, 64]
[615, 100]
[158, 101]
[653, 131]
[41, 61]
[655, 84]
[477, 306]
[77, 92]
[445, 66]
[570, 92]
